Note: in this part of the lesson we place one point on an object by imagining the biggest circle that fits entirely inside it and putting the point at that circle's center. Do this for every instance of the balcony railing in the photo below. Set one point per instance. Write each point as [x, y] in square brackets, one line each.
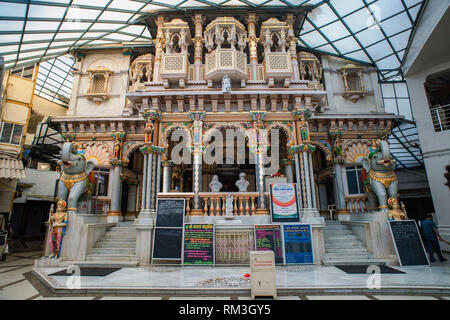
[441, 117]
[357, 204]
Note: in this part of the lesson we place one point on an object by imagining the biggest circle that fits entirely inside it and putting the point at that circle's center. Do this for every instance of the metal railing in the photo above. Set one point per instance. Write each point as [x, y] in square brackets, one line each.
[441, 117]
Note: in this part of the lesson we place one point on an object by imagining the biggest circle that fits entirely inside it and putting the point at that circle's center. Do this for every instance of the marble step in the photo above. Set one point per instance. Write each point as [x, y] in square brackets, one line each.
[336, 232]
[347, 261]
[355, 255]
[113, 251]
[344, 237]
[110, 256]
[107, 236]
[351, 250]
[122, 229]
[107, 264]
[120, 235]
[343, 244]
[336, 228]
[115, 244]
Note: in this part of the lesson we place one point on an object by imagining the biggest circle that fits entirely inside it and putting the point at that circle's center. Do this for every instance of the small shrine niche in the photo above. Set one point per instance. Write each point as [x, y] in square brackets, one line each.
[225, 40]
[310, 67]
[274, 37]
[175, 62]
[141, 71]
[98, 84]
[353, 82]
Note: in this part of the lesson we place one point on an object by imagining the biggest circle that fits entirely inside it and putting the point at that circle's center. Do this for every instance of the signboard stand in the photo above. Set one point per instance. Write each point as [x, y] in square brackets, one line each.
[268, 238]
[408, 243]
[198, 245]
[298, 246]
[284, 202]
[168, 235]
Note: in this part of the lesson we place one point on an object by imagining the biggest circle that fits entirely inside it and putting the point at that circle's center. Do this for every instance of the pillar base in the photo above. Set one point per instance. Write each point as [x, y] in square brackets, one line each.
[312, 216]
[130, 216]
[261, 212]
[114, 216]
[197, 212]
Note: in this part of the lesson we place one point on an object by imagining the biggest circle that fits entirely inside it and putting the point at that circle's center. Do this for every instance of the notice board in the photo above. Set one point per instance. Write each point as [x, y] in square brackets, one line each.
[268, 237]
[284, 202]
[170, 213]
[298, 247]
[167, 244]
[198, 244]
[408, 244]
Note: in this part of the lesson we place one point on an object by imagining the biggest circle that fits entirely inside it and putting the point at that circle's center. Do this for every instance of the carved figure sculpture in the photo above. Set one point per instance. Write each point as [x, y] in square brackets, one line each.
[58, 224]
[396, 212]
[226, 84]
[215, 184]
[379, 176]
[76, 177]
[242, 183]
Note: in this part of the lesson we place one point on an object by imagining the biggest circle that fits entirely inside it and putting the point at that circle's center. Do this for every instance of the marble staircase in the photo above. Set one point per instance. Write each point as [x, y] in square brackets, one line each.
[117, 247]
[342, 247]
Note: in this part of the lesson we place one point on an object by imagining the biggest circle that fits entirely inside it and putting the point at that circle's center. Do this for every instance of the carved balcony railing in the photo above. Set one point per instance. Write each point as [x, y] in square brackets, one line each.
[221, 62]
[357, 204]
[277, 66]
[174, 68]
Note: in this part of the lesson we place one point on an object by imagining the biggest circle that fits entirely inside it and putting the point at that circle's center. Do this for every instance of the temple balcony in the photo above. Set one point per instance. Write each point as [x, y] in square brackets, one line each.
[277, 66]
[174, 68]
[221, 62]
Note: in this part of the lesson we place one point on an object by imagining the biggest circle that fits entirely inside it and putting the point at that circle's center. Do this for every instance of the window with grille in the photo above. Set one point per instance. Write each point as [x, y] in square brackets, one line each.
[355, 183]
[11, 133]
[98, 84]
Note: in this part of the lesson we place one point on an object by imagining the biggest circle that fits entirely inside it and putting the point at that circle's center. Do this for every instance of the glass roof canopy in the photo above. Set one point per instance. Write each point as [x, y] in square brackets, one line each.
[372, 32]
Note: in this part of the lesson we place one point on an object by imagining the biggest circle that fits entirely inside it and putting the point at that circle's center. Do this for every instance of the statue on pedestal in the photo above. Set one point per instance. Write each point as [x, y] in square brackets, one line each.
[397, 211]
[226, 84]
[215, 184]
[58, 224]
[229, 206]
[242, 183]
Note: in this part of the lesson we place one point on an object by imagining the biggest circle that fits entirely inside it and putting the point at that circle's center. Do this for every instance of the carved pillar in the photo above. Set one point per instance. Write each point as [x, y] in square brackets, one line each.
[292, 39]
[251, 20]
[167, 174]
[197, 150]
[159, 44]
[114, 213]
[288, 172]
[198, 45]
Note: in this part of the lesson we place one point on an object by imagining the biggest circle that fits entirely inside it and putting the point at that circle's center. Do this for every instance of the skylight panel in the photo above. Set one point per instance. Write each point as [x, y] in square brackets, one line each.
[13, 9]
[346, 45]
[347, 6]
[335, 31]
[322, 15]
[41, 11]
[396, 24]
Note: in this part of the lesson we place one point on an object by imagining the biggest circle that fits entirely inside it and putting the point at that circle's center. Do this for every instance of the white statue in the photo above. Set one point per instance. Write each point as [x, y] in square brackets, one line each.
[215, 184]
[242, 183]
[226, 84]
[229, 205]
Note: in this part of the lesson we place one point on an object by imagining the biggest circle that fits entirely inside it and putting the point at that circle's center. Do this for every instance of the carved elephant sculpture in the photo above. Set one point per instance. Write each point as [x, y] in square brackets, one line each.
[379, 175]
[76, 176]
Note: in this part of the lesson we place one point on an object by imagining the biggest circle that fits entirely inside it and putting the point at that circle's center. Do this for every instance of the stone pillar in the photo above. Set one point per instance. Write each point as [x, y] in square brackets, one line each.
[158, 178]
[148, 195]
[251, 20]
[197, 150]
[306, 173]
[293, 46]
[299, 180]
[288, 172]
[167, 175]
[312, 180]
[198, 45]
[114, 213]
[144, 182]
[197, 179]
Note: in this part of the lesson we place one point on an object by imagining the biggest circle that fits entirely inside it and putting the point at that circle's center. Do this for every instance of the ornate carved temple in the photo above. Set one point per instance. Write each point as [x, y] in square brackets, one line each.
[131, 103]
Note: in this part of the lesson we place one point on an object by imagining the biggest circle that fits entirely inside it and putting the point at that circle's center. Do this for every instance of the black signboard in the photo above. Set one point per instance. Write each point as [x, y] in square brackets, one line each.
[170, 213]
[268, 237]
[298, 244]
[198, 244]
[167, 243]
[408, 244]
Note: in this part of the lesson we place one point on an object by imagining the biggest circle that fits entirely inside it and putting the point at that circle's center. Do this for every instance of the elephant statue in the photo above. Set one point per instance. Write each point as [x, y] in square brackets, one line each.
[379, 176]
[76, 177]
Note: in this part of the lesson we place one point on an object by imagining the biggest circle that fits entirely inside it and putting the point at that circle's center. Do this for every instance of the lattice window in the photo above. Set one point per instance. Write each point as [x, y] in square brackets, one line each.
[240, 61]
[211, 61]
[173, 63]
[98, 84]
[278, 62]
[226, 59]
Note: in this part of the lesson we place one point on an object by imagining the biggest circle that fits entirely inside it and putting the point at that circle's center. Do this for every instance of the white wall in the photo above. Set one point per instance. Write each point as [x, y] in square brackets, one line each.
[43, 185]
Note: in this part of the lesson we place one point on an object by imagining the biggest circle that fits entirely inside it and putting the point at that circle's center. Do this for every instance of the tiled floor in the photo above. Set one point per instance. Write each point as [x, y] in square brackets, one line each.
[15, 281]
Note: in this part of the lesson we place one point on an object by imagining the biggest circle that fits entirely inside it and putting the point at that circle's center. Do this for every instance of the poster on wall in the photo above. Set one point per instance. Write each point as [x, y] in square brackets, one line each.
[198, 244]
[268, 237]
[298, 247]
[283, 202]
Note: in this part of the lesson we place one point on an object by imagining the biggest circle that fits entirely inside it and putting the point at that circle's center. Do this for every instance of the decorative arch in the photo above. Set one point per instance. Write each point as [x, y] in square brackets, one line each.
[355, 150]
[285, 128]
[98, 153]
[129, 148]
[322, 147]
[168, 130]
[240, 128]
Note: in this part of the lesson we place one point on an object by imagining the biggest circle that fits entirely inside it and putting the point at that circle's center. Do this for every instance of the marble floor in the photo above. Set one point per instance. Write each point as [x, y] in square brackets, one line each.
[293, 282]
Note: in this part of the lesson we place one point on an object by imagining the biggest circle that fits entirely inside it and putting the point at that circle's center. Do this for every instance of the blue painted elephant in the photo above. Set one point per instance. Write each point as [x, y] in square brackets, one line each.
[76, 176]
[379, 174]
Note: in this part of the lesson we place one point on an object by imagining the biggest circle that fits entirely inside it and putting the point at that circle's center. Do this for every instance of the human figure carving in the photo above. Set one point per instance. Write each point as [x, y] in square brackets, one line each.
[215, 184]
[58, 223]
[242, 183]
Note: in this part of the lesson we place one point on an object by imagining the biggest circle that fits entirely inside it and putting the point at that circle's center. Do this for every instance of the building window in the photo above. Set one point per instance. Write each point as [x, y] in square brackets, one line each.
[98, 84]
[101, 182]
[355, 183]
[437, 87]
[11, 133]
